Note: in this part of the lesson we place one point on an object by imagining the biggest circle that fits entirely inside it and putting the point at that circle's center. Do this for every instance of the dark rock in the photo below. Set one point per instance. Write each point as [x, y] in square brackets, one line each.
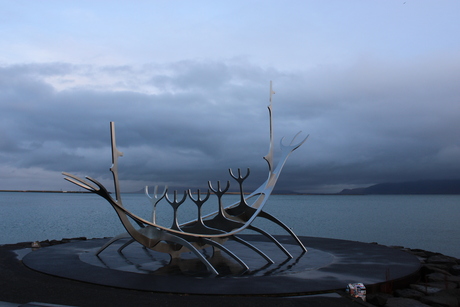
[452, 292]
[440, 268]
[422, 255]
[440, 277]
[424, 288]
[451, 297]
[455, 270]
[378, 299]
[445, 301]
[22, 244]
[441, 259]
[404, 302]
[443, 285]
[55, 242]
[75, 239]
[45, 243]
[408, 293]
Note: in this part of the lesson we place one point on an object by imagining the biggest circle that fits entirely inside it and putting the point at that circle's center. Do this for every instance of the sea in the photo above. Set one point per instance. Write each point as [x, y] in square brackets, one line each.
[428, 222]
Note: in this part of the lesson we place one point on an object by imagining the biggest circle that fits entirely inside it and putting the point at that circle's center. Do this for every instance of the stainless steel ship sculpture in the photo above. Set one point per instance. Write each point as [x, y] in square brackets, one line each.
[226, 223]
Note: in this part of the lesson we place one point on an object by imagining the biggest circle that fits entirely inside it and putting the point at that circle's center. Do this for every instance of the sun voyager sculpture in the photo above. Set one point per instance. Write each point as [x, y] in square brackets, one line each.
[210, 230]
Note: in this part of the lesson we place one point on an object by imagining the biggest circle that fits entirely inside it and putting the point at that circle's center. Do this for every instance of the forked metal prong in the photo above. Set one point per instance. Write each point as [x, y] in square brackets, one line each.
[80, 182]
[198, 200]
[146, 191]
[155, 193]
[290, 146]
[175, 202]
[155, 199]
[175, 205]
[240, 178]
[219, 191]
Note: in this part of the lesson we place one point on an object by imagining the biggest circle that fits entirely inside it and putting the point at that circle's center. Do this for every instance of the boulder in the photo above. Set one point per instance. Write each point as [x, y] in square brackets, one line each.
[437, 267]
[445, 301]
[441, 259]
[452, 292]
[408, 293]
[404, 302]
[443, 285]
[378, 299]
[440, 277]
[455, 270]
[425, 288]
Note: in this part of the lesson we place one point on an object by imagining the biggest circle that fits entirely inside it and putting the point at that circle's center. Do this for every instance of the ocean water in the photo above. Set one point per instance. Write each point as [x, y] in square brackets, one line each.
[429, 222]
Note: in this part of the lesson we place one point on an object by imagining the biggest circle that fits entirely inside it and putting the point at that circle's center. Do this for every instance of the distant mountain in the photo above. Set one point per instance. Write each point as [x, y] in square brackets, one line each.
[412, 187]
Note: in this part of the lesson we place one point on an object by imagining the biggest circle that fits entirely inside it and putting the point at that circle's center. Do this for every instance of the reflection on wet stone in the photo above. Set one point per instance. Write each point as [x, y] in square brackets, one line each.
[144, 261]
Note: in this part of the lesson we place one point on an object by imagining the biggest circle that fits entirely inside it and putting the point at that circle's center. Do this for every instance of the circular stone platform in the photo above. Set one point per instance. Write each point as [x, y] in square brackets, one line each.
[328, 266]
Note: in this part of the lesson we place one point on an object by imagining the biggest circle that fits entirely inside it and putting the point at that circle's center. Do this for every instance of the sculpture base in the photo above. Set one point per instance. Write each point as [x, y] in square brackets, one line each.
[328, 266]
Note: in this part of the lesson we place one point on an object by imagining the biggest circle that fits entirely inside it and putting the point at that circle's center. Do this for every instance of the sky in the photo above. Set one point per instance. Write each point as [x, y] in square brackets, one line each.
[375, 85]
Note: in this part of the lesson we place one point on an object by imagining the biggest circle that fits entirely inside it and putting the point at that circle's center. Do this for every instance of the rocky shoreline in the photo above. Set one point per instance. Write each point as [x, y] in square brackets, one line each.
[437, 285]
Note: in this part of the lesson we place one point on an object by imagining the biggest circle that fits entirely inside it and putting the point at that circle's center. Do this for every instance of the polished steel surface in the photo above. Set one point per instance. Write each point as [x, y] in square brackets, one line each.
[209, 230]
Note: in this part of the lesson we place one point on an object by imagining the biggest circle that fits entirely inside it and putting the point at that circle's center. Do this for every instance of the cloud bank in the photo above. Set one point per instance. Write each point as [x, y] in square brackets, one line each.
[186, 122]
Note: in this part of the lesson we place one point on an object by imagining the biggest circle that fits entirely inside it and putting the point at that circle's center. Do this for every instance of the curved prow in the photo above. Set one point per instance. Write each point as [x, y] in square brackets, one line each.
[97, 188]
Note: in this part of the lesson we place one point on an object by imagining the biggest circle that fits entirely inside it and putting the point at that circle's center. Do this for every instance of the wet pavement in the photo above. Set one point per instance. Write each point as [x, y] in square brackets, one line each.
[70, 274]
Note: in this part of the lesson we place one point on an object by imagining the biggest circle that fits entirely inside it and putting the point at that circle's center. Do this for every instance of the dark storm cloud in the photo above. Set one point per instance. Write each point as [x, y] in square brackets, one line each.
[387, 122]
[187, 122]
[187, 131]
